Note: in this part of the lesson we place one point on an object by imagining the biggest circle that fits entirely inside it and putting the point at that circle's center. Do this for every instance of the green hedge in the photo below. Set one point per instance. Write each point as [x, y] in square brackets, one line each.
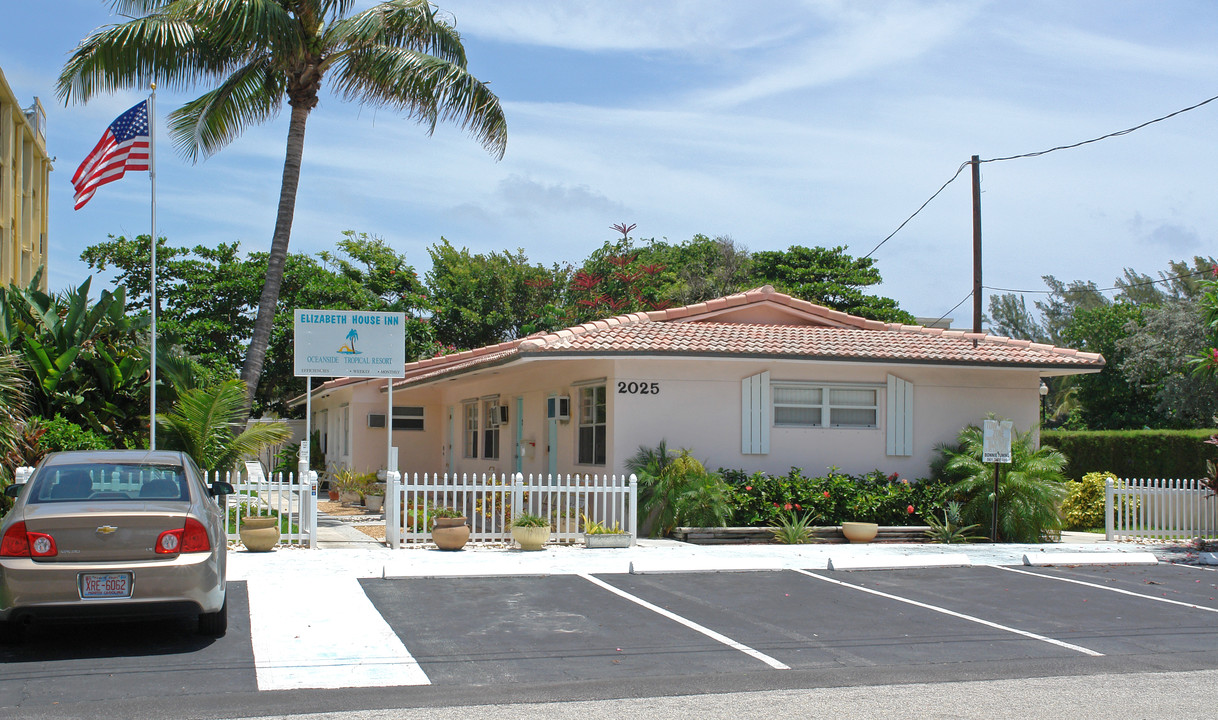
[1134, 453]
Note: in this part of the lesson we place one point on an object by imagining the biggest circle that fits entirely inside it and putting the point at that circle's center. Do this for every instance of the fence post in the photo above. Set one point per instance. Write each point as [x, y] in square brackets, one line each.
[393, 506]
[1109, 507]
[517, 495]
[634, 509]
[309, 495]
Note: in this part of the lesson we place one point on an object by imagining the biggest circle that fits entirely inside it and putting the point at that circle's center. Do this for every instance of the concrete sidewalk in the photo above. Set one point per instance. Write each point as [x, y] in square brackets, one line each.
[366, 558]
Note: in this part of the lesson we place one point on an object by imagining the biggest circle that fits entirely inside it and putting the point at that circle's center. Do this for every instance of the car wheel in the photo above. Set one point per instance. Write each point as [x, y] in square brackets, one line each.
[11, 632]
[214, 624]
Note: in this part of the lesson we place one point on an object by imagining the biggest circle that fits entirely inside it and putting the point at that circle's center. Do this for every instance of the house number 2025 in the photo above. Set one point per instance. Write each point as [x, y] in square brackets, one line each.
[638, 388]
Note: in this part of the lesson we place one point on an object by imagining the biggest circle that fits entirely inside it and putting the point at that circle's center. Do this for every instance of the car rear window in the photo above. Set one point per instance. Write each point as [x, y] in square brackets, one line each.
[109, 482]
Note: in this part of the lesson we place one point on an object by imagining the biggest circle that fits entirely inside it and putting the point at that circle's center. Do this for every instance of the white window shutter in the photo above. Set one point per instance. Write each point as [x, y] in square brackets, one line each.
[900, 416]
[755, 414]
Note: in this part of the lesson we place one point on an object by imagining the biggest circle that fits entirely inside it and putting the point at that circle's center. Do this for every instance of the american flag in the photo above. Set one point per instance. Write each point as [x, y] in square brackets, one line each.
[123, 147]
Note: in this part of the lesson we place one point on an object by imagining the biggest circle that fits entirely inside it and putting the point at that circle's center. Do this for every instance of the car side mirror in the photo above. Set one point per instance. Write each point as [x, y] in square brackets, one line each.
[12, 491]
[220, 487]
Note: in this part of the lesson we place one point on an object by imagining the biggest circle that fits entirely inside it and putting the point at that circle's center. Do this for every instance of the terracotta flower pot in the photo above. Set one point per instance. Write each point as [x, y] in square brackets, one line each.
[450, 533]
[860, 532]
[260, 533]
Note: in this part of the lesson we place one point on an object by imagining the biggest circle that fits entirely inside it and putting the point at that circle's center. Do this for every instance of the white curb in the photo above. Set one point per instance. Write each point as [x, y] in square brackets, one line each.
[899, 562]
[1091, 558]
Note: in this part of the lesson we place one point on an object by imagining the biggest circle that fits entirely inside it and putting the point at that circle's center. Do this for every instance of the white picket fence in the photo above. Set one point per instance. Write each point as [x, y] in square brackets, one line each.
[491, 501]
[293, 499]
[1159, 510]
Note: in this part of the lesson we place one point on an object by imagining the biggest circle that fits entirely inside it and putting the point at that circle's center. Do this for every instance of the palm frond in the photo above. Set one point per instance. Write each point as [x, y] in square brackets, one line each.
[425, 88]
[208, 123]
[407, 24]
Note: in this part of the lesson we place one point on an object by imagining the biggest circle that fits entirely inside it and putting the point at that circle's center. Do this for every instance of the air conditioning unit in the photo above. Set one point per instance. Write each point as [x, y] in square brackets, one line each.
[376, 420]
[501, 414]
[558, 407]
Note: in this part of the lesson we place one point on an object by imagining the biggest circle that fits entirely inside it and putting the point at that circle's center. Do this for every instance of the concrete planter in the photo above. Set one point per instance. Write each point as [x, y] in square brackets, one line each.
[606, 540]
[531, 538]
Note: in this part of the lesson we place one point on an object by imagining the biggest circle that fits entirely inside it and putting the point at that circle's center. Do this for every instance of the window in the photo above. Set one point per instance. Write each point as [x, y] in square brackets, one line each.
[592, 425]
[344, 431]
[409, 417]
[490, 428]
[808, 405]
[469, 410]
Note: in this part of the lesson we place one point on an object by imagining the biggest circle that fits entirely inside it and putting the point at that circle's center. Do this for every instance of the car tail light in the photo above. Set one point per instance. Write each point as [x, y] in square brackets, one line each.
[18, 542]
[189, 539]
[15, 543]
[194, 537]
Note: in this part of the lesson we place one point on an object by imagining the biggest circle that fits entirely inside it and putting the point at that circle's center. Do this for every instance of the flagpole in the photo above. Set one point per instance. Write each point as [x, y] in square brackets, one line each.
[152, 177]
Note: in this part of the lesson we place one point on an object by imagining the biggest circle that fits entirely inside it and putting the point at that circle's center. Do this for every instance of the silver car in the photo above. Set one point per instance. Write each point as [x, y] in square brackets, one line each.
[114, 534]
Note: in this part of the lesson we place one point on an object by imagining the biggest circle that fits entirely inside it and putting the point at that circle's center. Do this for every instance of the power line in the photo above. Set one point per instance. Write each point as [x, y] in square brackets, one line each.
[911, 217]
[949, 312]
[1114, 287]
[1032, 155]
[1103, 137]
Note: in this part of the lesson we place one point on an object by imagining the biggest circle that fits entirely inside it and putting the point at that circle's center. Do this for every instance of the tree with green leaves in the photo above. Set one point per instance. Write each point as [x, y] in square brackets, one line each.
[487, 298]
[209, 295]
[829, 277]
[255, 55]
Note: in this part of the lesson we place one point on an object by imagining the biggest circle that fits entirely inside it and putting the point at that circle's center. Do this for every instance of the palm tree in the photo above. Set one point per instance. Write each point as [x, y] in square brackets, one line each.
[202, 424]
[1030, 489]
[256, 53]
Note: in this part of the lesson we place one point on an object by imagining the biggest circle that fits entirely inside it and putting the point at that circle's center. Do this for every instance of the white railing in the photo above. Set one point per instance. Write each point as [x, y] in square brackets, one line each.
[1159, 509]
[293, 499]
[491, 501]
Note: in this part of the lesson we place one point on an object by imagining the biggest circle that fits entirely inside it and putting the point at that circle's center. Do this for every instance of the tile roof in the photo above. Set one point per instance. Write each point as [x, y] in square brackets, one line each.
[814, 332]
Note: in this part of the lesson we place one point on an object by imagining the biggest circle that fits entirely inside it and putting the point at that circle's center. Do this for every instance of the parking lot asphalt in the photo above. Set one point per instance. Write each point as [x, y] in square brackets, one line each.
[425, 627]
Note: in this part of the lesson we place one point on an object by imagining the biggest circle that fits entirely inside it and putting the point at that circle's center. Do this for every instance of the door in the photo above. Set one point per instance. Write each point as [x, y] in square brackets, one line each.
[449, 467]
[552, 441]
[519, 434]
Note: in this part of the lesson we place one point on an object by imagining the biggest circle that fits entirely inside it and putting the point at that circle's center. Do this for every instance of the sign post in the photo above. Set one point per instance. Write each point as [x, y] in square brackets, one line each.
[996, 448]
[351, 343]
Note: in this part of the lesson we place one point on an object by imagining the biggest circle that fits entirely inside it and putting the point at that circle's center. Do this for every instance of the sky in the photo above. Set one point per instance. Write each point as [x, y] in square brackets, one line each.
[774, 122]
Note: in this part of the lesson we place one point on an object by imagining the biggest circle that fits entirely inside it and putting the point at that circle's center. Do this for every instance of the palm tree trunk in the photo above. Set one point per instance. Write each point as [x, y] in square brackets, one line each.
[255, 356]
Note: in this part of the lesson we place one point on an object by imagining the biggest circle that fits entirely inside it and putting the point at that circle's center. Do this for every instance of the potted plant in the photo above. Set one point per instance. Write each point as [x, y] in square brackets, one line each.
[374, 496]
[530, 531]
[450, 530]
[348, 483]
[597, 535]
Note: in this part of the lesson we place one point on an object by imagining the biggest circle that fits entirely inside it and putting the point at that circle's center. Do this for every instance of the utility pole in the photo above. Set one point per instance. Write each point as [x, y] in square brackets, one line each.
[976, 163]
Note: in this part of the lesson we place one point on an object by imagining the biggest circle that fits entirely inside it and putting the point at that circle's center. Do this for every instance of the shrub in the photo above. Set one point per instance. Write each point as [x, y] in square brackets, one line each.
[1134, 453]
[760, 499]
[1030, 487]
[676, 489]
[1083, 508]
[62, 434]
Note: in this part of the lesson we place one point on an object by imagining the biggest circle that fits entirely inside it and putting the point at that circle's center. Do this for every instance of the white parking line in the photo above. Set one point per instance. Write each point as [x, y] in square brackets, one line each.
[1112, 589]
[327, 634]
[718, 637]
[953, 613]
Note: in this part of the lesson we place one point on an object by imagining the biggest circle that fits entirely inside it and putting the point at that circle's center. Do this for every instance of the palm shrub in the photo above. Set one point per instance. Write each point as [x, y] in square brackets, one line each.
[204, 423]
[1030, 488]
[676, 489]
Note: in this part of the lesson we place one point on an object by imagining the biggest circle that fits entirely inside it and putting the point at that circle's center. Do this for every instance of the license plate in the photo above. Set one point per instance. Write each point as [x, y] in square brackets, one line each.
[105, 585]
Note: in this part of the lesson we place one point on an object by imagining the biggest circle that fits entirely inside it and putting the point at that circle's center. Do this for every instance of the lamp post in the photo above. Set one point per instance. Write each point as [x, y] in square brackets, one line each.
[1044, 398]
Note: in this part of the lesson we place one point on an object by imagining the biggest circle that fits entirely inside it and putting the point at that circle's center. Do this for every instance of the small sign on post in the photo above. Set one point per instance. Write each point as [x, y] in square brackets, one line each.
[996, 441]
[996, 448]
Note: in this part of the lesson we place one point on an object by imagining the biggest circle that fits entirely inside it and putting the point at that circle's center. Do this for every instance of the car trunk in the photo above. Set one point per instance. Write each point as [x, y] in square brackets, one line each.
[113, 531]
